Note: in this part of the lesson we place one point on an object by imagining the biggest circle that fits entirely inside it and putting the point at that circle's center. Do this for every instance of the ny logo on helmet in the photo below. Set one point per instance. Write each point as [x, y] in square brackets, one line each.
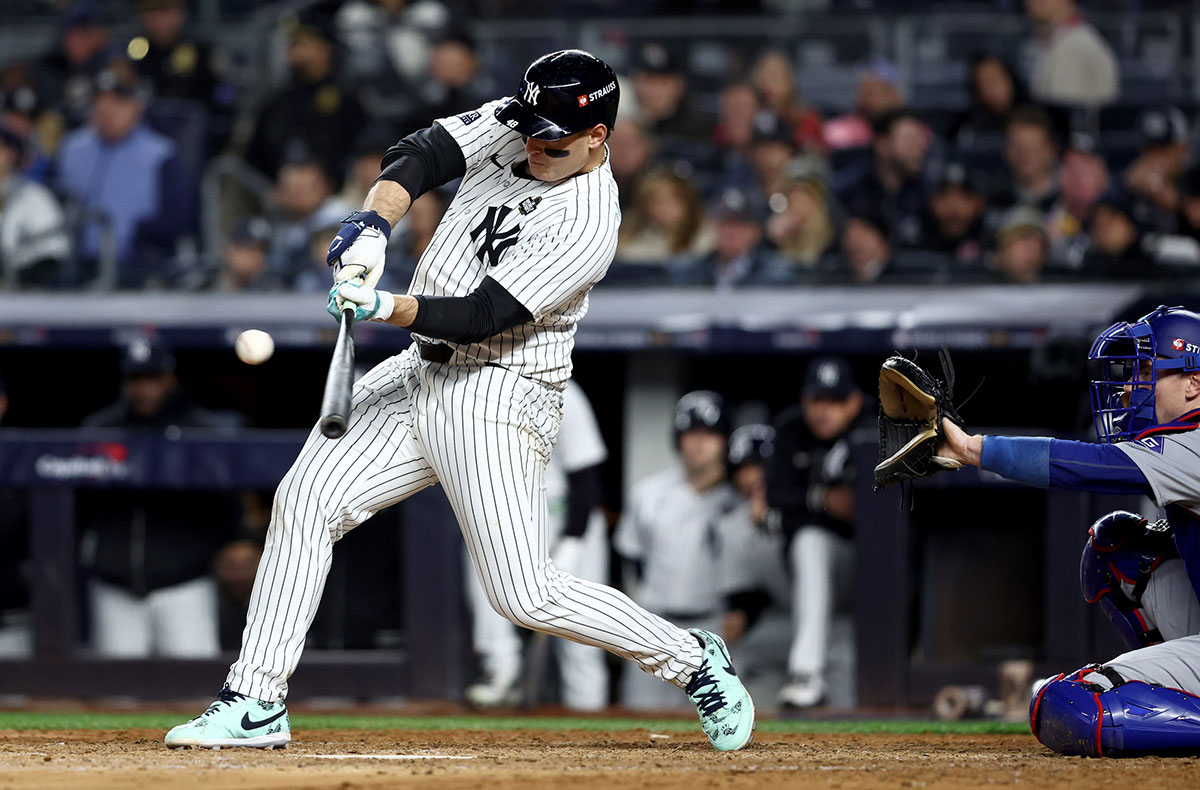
[531, 93]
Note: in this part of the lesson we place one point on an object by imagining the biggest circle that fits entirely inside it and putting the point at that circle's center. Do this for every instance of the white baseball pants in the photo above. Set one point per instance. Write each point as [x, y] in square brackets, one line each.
[485, 433]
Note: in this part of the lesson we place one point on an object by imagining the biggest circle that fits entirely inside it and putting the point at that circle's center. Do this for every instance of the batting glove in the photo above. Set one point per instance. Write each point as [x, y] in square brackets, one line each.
[358, 249]
[369, 304]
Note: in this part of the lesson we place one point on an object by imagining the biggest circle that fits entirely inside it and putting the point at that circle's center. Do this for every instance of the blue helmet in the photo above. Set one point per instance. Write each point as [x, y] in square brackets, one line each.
[1164, 340]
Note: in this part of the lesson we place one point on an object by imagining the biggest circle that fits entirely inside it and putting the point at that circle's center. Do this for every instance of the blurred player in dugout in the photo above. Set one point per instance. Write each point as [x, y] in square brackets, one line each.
[149, 553]
[579, 545]
[669, 534]
[810, 489]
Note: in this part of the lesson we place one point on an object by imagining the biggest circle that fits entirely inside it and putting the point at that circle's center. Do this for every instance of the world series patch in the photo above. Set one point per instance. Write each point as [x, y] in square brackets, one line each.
[469, 118]
[528, 204]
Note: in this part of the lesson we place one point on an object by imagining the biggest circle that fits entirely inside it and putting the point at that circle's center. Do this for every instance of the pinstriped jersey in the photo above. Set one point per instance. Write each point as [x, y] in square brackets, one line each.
[547, 243]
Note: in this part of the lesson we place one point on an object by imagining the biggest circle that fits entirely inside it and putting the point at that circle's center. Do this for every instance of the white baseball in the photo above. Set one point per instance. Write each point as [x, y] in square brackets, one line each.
[254, 346]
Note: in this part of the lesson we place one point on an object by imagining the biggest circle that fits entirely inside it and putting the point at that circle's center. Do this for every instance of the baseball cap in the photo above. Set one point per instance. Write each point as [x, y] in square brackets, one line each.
[147, 357]
[829, 377]
[255, 230]
[1018, 220]
[85, 14]
[119, 77]
[658, 58]
[957, 174]
[22, 100]
[1164, 126]
[735, 206]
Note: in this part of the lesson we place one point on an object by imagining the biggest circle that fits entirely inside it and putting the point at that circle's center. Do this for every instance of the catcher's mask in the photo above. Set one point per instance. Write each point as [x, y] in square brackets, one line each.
[1131, 358]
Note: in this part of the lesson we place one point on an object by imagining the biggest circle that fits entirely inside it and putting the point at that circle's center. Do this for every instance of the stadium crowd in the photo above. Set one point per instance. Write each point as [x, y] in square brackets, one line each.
[1050, 175]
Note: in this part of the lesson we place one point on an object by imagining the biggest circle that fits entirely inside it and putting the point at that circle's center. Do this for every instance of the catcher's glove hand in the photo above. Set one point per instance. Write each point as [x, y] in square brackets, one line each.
[912, 405]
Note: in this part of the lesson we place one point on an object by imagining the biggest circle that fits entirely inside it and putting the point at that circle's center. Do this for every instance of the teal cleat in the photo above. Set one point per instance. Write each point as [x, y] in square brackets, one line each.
[726, 710]
[235, 720]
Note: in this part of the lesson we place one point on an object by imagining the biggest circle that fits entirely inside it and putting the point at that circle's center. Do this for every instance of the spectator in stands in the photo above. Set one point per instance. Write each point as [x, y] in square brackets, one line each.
[312, 116]
[1188, 220]
[810, 489]
[305, 202]
[954, 220]
[661, 88]
[387, 45]
[1151, 179]
[127, 181]
[775, 82]
[149, 553]
[1083, 177]
[801, 226]
[754, 578]
[410, 239]
[895, 180]
[995, 90]
[315, 277]
[866, 254]
[739, 257]
[1073, 63]
[176, 65]
[666, 222]
[1117, 249]
[16, 634]
[35, 243]
[631, 152]
[1021, 247]
[771, 152]
[738, 106]
[668, 534]
[1032, 156]
[244, 263]
[21, 111]
[454, 83]
[234, 568]
[66, 76]
[364, 166]
[878, 94]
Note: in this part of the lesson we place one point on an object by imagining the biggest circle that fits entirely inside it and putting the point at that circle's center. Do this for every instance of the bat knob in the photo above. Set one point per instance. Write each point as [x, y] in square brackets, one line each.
[333, 426]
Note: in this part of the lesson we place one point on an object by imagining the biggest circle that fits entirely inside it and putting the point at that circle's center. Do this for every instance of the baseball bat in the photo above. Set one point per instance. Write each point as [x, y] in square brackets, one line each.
[335, 406]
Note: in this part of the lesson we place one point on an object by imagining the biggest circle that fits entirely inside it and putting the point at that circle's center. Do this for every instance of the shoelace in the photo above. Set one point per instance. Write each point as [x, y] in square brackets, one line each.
[226, 697]
[709, 702]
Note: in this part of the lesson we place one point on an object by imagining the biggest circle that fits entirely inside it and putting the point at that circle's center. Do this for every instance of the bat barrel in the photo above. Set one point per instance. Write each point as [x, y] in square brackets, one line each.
[335, 407]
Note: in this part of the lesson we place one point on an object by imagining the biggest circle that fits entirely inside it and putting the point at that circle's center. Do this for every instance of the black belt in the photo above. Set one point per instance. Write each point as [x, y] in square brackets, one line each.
[435, 352]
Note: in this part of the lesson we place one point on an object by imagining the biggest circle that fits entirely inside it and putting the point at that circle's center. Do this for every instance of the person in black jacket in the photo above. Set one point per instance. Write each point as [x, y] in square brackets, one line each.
[810, 490]
[149, 553]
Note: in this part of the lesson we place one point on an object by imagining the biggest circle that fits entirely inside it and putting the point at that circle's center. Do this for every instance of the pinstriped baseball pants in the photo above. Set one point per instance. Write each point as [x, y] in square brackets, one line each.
[485, 433]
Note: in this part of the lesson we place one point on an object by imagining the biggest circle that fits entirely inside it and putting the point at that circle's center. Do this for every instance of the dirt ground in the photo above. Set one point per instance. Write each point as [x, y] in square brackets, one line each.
[50, 760]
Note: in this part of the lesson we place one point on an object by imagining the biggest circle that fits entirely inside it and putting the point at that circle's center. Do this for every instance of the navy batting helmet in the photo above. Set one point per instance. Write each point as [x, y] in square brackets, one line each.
[751, 444]
[561, 94]
[704, 410]
[1132, 356]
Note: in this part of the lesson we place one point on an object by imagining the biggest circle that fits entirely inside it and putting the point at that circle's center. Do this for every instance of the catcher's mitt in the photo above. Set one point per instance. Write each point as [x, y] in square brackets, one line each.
[912, 404]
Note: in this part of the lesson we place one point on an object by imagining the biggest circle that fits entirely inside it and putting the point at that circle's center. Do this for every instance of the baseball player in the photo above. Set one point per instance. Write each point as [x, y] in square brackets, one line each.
[475, 402]
[579, 540]
[1146, 407]
[669, 533]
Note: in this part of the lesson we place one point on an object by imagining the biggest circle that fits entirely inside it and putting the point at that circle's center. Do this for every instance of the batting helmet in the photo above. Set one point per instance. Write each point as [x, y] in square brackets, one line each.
[561, 94]
[751, 444]
[702, 409]
[1164, 340]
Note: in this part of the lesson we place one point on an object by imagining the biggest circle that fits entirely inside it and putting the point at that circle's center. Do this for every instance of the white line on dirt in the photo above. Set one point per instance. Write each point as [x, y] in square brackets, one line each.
[389, 757]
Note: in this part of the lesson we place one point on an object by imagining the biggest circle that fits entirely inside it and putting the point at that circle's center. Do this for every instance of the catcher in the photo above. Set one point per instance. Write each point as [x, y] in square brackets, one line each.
[1146, 577]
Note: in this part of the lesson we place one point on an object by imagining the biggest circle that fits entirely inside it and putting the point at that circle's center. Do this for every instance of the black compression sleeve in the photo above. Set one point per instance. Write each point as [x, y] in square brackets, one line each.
[487, 310]
[583, 495]
[423, 160]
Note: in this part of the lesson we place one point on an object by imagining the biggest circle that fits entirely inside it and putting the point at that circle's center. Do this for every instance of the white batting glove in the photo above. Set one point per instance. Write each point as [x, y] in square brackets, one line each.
[369, 304]
[359, 248]
[566, 554]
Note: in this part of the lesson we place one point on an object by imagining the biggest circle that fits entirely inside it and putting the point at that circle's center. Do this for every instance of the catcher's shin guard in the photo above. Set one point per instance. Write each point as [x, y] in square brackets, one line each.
[1075, 717]
[1121, 553]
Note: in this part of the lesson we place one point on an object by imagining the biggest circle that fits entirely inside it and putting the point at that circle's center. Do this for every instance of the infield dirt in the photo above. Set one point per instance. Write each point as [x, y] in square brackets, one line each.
[580, 760]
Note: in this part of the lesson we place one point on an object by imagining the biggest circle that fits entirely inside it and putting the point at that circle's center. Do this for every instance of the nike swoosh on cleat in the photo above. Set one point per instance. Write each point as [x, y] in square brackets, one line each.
[247, 724]
[730, 670]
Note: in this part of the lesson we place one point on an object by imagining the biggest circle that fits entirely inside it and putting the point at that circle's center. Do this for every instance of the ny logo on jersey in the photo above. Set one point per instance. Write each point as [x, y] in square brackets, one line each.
[495, 241]
[531, 93]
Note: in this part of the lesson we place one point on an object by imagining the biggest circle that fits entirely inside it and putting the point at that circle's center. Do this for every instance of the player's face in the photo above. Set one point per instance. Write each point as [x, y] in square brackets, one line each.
[554, 160]
[700, 449]
[827, 417]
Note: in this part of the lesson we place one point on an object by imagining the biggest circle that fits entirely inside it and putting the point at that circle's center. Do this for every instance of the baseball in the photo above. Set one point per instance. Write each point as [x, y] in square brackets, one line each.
[254, 346]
